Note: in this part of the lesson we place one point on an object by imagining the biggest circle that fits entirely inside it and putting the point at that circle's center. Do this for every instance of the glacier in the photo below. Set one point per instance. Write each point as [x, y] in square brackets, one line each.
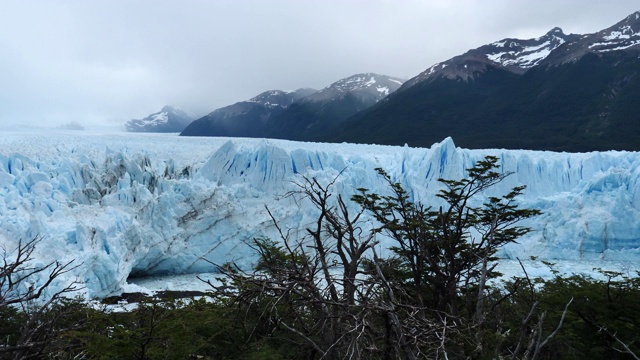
[134, 205]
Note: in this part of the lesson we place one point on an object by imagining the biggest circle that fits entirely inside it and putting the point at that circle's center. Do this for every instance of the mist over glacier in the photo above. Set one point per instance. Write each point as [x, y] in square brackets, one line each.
[127, 205]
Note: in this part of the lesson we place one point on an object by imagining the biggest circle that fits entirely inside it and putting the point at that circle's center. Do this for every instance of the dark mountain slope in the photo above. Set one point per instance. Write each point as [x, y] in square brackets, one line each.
[513, 55]
[428, 110]
[246, 118]
[312, 117]
[580, 94]
[590, 104]
[304, 114]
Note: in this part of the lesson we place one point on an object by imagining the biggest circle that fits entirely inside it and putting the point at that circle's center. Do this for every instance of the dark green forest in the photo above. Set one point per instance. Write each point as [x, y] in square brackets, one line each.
[331, 295]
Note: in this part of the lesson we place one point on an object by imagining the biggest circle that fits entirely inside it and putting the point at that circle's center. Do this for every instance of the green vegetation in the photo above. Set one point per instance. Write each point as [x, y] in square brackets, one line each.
[331, 295]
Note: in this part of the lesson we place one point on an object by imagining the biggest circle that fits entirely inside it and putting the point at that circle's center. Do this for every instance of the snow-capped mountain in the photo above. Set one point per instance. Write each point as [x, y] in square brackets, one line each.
[557, 92]
[310, 118]
[514, 55]
[280, 98]
[168, 119]
[131, 205]
[524, 54]
[623, 36]
[245, 118]
[368, 87]
[518, 56]
[304, 114]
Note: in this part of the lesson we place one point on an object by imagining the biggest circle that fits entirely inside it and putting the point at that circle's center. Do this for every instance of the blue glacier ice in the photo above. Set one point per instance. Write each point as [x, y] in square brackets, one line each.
[126, 205]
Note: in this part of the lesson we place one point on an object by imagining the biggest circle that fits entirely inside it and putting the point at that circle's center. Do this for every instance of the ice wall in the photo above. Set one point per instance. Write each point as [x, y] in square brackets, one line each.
[125, 206]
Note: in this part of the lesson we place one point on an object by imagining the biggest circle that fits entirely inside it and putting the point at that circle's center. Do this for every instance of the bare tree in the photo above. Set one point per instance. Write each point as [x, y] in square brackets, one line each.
[314, 286]
[332, 291]
[23, 287]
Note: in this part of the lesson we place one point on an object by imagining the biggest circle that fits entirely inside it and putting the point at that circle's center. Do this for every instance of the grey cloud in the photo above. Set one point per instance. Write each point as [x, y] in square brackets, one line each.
[109, 61]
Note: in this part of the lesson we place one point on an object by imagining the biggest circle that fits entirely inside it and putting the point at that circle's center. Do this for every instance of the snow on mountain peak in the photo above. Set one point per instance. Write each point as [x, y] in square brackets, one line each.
[514, 55]
[271, 98]
[623, 35]
[280, 98]
[517, 56]
[524, 54]
[354, 83]
[168, 119]
[368, 85]
[556, 30]
[624, 30]
[158, 118]
[155, 119]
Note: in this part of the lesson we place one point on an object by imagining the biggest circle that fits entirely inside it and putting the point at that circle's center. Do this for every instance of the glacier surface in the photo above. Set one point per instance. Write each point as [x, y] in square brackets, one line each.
[136, 205]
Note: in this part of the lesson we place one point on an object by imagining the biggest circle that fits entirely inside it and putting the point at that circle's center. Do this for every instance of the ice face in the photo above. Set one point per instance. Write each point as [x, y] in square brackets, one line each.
[140, 204]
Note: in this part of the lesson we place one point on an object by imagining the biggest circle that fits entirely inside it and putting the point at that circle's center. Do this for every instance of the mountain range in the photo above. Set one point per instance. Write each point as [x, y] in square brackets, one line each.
[561, 92]
[556, 92]
[248, 118]
[302, 114]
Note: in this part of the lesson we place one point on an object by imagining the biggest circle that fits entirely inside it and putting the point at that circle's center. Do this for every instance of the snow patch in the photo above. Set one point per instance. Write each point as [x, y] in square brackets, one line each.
[616, 35]
[370, 82]
[607, 46]
[156, 119]
[526, 57]
[383, 90]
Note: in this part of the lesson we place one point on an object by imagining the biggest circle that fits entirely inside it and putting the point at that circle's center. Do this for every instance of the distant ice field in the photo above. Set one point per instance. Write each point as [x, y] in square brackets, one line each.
[130, 207]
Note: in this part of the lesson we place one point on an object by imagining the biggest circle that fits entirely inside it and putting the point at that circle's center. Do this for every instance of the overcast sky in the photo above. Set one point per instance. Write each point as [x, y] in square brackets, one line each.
[105, 62]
